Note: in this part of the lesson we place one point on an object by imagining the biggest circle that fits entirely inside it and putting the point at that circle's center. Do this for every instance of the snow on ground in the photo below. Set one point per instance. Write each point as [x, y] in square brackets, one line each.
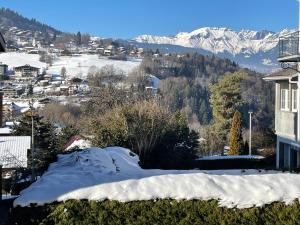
[219, 157]
[14, 59]
[80, 65]
[75, 65]
[113, 173]
[8, 197]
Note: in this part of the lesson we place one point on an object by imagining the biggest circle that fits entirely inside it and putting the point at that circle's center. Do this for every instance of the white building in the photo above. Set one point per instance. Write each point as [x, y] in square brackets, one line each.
[287, 103]
[14, 151]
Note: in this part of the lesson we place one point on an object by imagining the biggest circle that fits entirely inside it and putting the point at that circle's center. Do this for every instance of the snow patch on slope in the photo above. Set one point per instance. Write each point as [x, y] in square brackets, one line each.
[78, 66]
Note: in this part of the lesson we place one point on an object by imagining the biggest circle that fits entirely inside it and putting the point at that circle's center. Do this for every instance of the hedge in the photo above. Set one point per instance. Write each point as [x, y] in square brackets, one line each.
[266, 163]
[157, 212]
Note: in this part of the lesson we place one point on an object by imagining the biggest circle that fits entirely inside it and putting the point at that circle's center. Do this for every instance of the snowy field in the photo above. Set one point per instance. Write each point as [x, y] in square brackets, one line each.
[75, 65]
[114, 173]
[79, 65]
[14, 59]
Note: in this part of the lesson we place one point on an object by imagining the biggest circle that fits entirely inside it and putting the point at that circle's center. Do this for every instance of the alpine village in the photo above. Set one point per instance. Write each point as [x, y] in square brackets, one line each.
[201, 127]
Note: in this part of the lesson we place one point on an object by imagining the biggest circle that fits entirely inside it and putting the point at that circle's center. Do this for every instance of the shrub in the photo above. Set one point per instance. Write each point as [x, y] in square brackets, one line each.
[193, 212]
[236, 136]
[150, 131]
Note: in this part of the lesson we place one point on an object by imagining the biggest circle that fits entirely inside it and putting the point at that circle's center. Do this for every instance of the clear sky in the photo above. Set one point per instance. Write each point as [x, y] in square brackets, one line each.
[129, 18]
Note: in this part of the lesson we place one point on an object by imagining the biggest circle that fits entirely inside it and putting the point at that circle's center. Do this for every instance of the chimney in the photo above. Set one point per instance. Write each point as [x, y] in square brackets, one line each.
[1, 109]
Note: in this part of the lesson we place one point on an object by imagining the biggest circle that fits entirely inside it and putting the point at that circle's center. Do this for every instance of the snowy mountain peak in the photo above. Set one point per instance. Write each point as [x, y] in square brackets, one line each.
[253, 49]
[220, 40]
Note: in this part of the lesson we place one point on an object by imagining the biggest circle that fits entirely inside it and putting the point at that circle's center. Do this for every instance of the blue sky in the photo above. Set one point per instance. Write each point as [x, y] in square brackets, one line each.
[129, 18]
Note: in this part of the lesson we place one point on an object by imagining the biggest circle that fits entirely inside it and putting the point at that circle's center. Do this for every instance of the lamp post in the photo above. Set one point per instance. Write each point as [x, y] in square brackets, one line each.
[31, 113]
[250, 131]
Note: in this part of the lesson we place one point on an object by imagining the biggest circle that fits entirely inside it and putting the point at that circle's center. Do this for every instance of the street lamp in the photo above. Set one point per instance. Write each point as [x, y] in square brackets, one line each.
[250, 131]
[31, 113]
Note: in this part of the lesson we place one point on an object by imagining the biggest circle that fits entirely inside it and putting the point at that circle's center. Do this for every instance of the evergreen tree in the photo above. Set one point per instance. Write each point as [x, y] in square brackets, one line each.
[226, 98]
[78, 38]
[63, 72]
[45, 140]
[236, 138]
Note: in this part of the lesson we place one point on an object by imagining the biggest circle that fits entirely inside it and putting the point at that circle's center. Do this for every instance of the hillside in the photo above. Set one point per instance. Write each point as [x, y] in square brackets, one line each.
[11, 19]
[16, 27]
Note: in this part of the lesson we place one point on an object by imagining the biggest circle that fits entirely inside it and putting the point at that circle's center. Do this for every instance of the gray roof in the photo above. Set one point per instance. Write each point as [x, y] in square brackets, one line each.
[2, 43]
[282, 74]
[13, 151]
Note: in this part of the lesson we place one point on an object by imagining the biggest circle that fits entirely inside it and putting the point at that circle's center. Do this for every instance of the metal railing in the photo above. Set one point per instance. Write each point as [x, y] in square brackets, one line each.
[289, 45]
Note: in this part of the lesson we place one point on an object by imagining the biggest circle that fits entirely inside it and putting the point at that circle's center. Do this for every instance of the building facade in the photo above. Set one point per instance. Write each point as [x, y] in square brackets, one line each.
[287, 103]
[26, 71]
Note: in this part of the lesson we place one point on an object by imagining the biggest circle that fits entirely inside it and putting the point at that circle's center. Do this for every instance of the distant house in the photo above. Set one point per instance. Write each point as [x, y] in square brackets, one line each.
[26, 71]
[14, 151]
[11, 91]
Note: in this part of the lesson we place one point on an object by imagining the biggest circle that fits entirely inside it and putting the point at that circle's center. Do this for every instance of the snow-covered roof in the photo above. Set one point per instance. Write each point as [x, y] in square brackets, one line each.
[5, 130]
[114, 173]
[13, 151]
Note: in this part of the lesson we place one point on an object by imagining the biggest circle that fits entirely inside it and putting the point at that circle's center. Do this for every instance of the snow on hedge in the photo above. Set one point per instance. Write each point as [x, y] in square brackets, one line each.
[113, 173]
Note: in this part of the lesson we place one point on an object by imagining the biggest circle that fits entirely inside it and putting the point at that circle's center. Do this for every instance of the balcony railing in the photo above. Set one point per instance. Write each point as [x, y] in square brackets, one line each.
[289, 48]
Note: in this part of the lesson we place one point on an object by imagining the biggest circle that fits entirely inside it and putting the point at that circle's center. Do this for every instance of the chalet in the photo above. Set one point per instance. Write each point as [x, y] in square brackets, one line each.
[26, 71]
[287, 103]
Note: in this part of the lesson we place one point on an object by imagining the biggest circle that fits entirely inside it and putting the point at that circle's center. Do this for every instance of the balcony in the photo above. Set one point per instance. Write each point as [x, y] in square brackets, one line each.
[289, 48]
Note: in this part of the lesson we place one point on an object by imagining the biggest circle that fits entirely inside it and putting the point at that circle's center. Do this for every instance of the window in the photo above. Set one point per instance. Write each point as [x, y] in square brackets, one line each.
[294, 100]
[284, 99]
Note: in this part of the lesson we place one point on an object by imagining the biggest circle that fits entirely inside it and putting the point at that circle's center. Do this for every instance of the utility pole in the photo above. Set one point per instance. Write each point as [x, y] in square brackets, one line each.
[32, 114]
[250, 131]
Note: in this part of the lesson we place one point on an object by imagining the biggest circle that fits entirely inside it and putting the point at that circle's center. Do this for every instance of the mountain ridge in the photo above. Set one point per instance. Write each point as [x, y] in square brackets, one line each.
[253, 49]
[219, 40]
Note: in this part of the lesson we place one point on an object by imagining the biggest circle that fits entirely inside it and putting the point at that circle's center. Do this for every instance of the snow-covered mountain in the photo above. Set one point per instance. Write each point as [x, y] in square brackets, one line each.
[255, 49]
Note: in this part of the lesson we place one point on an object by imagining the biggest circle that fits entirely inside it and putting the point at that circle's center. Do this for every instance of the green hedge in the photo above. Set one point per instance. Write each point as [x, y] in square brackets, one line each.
[160, 212]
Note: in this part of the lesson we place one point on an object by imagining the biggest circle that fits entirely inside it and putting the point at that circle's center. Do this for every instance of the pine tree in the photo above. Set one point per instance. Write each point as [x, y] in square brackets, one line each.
[78, 38]
[63, 72]
[225, 99]
[236, 138]
[45, 140]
